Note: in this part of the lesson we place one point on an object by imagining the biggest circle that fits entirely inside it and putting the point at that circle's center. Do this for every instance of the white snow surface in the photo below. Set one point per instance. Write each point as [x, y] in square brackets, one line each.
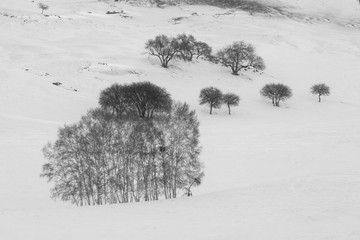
[271, 173]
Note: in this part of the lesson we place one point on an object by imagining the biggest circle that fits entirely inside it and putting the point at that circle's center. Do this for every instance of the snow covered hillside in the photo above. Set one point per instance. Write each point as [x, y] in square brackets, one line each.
[332, 8]
[271, 173]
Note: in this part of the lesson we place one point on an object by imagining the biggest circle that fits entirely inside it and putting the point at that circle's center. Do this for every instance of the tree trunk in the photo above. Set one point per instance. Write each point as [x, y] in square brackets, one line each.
[191, 56]
[319, 97]
[211, 109]
[229, 109]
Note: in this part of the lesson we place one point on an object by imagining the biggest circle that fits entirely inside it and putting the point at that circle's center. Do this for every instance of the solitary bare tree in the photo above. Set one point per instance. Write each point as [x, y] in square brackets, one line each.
[276, 92]
[239, 56]
[43, 7]
[163, 47]
[320, 89]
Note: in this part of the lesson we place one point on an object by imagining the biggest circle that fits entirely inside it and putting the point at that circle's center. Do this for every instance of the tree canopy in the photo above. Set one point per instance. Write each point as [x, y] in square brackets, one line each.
[239, 56]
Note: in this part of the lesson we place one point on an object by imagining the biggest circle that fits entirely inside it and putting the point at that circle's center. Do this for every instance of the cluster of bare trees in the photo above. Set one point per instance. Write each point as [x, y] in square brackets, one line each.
[279, 92]
[183, 46]
[237, 56]
[142, 98]
[109, 158]
[215, 98]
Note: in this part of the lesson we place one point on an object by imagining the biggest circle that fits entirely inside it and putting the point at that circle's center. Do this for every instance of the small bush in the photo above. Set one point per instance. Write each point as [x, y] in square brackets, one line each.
[211, 96]
[276, 92]
[320, 89]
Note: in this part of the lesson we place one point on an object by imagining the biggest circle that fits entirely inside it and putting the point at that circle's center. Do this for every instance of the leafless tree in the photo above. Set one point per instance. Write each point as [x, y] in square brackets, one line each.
[276, 92]
[162, 47]
[239, 56]
[189, 47]
[211, 96]
[231, 99]
[113, 99]
[147, 98]
[320, 89]
[43, 7]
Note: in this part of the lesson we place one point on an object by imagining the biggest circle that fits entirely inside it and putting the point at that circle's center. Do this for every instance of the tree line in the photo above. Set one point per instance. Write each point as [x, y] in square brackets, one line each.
[277, 92]
[238, 56]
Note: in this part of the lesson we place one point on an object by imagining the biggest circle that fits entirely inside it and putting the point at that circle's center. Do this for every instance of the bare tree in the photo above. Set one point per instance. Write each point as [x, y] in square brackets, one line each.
[113, 98]
[43, 7]
[276, 92]
[231, 99]
[320, 89]
[189, 47]
[269, 91]
[147, 98]
[162, 47]
[195, 182]
[180, 159]
[202, 49]
[238, 56]
[211, 96]
[186, 45]
[142, 98]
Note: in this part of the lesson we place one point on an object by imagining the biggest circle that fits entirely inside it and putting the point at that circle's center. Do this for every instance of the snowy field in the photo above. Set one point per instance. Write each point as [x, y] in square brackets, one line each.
[288, 173]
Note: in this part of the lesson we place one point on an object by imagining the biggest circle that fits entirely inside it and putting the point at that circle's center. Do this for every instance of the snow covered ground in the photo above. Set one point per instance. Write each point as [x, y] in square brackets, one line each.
[271, 173]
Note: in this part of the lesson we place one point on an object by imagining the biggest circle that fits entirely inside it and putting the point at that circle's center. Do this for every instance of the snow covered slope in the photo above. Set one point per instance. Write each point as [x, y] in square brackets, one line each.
[271, 173]
[332, 8]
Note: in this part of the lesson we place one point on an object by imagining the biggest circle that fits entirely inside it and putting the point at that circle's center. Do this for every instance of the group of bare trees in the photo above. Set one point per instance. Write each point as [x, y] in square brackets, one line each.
[109, 157]
[215, 98]
[183, 46]
[275, 91]
[237, 56]
[142, 98]
[279, 92]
